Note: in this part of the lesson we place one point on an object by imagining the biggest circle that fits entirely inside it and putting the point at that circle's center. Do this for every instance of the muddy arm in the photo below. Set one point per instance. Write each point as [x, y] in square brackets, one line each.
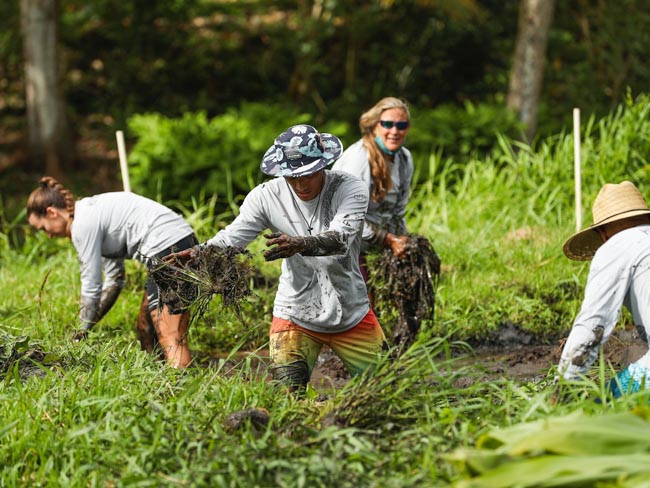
[378, 236]
[90, 313]
[325, 244]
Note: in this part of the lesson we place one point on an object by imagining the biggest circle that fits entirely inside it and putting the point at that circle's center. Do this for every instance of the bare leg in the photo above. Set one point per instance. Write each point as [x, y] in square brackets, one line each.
[144, 327]
[172, 336]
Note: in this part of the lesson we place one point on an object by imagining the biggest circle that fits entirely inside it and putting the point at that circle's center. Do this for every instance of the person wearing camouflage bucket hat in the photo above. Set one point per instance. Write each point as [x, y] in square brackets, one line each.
[300, 151]
[618, 243]
[315, 217]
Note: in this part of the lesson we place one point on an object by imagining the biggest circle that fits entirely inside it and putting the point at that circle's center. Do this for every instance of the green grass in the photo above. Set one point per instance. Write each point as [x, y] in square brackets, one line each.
[103, 413]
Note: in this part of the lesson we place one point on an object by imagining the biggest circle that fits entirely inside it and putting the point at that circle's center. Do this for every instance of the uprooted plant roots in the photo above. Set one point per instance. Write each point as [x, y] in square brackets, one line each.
[213, 271]
[409, 284]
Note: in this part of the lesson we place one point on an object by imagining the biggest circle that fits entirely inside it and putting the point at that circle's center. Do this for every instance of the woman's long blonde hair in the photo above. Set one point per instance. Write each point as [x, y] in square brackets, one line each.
[50, 193]
[378, 165]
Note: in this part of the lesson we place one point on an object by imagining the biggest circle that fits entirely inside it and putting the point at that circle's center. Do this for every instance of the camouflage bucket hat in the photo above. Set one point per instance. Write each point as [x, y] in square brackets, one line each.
[300, 151]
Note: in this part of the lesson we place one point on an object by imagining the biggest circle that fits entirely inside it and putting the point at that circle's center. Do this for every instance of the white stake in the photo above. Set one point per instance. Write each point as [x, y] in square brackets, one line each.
[121, 150]
[576, 167]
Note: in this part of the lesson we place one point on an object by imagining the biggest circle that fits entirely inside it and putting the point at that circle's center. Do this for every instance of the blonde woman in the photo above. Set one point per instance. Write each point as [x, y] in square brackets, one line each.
[380, 159]
[105, 229]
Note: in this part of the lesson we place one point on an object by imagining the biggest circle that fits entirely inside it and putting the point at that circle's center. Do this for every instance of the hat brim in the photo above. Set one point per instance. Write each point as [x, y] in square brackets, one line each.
[334, 149]
[583, 245]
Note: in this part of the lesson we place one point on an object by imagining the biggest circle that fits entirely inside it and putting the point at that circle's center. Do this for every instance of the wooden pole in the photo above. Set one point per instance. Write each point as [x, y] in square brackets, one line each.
[121, 150]
[576, 167]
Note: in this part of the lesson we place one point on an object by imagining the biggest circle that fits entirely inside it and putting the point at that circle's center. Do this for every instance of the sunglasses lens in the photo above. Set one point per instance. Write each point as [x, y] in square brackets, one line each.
[388, 124]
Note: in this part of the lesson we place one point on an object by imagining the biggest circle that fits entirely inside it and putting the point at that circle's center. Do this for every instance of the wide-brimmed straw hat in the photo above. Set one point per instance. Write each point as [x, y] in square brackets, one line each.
[614, 202]
[300, 151]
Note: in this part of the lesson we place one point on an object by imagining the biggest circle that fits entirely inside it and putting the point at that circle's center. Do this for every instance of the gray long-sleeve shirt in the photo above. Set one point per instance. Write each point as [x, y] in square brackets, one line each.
[110, 227]
[320, 293]
[388, 214]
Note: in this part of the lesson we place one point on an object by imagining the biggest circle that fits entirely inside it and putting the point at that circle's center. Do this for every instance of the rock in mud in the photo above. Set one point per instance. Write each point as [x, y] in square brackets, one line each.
[257, 418]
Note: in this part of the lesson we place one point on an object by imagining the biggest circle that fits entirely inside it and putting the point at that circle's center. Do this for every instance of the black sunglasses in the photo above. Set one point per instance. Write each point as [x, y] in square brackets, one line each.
[388, 124]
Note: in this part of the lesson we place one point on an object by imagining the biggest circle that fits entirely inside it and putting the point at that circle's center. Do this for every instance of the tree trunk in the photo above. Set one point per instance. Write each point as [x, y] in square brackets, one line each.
[48, 136]
[525, 85]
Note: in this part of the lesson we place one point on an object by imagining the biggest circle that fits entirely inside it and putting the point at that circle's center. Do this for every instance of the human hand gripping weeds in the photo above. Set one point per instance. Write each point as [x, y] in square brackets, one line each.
[397, 244]
[183, 257]
[285, 246]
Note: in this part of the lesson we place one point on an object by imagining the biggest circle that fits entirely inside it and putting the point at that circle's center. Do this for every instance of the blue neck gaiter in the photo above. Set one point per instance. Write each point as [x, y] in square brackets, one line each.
[384, 149]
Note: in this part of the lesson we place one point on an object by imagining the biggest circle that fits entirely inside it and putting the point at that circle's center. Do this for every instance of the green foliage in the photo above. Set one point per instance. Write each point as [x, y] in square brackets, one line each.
[517, 206]
[460, 133]
[595, 53]
[192, 155]
[573, 450]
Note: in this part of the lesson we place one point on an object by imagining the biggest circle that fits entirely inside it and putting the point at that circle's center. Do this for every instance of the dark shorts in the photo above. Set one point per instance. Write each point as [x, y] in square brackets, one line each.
[150, 286]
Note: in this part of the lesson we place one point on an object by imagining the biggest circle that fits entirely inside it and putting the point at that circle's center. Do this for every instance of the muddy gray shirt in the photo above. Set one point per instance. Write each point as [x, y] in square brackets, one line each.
[110, 227]
[320, 293]
[387, 214]
[619, 275]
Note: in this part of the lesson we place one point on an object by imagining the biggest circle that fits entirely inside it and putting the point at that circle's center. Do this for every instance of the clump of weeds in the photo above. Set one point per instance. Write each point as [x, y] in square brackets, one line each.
[409, 284]
[212, 271]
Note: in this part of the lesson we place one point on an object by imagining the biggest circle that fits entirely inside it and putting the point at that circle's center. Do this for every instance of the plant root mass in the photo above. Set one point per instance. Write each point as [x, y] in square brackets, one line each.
[409, 283]
[211, 271]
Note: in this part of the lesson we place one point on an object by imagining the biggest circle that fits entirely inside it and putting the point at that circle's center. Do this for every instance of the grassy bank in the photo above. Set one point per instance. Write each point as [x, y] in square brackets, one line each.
[102, 413]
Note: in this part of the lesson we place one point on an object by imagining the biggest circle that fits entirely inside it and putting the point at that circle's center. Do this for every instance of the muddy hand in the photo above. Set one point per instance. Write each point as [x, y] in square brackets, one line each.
[285, 246]
[397, 244]
[182, 257]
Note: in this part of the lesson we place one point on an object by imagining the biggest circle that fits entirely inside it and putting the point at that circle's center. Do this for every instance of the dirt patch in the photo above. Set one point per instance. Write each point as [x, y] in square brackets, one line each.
[517, 356]
[509, 353]
[513, 353]
[507, 336]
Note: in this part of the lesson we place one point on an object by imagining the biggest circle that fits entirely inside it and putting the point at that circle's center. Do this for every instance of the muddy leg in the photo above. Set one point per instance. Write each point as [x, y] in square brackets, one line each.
[172, 336]
[144, 327]
[293, 355]
[294, 376]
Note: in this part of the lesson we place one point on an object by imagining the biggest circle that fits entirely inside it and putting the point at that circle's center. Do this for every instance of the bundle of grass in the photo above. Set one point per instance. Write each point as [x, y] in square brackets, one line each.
[391, 395]
[211, 271]
[409, 284]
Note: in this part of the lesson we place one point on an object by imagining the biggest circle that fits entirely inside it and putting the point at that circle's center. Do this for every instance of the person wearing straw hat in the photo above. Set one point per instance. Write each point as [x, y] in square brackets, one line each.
[315, 217]
[105, 229]
[618, 243]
